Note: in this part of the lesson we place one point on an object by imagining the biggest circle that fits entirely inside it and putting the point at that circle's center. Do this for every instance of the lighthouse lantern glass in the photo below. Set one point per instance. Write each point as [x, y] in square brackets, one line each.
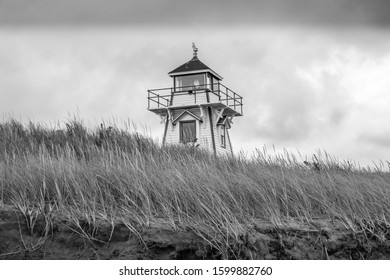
[189, 82]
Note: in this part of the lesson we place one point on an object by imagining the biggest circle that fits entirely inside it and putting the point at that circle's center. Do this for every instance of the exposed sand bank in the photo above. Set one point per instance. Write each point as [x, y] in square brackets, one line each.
[61, 239]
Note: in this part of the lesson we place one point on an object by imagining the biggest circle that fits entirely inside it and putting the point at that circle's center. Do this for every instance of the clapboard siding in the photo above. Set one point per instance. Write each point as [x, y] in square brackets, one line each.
[183, 98]
[171, 137]
[213, 97]
[205, 139]
[221, 150]
[195, 111]
[203, 130]
[218, 143]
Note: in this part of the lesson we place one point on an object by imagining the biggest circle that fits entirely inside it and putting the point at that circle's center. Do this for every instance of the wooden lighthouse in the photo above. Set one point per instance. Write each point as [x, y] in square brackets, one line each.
[198, 108]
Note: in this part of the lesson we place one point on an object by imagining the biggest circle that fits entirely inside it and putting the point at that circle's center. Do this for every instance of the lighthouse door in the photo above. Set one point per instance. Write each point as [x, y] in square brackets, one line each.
[187, 131]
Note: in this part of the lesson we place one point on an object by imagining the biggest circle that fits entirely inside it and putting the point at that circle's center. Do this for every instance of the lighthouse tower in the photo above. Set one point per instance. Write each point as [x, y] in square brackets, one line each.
[198, 108]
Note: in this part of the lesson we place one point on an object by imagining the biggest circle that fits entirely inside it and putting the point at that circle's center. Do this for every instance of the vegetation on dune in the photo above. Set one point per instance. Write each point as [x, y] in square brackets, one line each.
[112, 175]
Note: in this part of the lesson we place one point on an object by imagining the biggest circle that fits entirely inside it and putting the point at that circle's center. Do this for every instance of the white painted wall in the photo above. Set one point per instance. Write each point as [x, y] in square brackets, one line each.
[203, 130]
[217, 134]
[184, 98]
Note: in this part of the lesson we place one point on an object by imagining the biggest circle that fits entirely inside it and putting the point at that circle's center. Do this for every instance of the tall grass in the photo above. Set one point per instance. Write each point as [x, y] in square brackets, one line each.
[122, 177]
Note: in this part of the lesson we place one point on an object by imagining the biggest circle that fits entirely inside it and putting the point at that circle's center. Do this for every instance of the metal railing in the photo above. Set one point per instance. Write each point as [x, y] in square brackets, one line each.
[162, 97]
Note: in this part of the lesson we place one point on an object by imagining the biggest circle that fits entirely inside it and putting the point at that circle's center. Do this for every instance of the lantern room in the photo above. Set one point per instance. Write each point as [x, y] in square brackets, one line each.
[194, 75]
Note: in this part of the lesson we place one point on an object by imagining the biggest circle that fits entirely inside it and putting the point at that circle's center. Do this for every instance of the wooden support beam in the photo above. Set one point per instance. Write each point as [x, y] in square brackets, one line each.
[212, 131]
[164, 118]
[230, 143]
[219, 115]
[201, 108]
[165, 131]
[201, 112]
[170, 115]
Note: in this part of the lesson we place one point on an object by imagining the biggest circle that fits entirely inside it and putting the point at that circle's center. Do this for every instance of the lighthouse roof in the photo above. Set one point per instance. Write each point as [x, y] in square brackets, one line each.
[193, 66]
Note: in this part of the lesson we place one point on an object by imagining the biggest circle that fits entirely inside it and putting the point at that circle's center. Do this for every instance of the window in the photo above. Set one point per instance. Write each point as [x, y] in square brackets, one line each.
[187, 132]
[223, 136]
[214, 85]
[208, 81]
[190, 82]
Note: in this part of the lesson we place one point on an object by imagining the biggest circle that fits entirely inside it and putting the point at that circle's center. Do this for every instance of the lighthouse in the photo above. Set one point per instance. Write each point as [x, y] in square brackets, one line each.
[198, 109]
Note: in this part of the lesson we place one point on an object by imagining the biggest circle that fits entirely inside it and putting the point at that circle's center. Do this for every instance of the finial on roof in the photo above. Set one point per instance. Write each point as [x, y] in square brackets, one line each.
[195, 49]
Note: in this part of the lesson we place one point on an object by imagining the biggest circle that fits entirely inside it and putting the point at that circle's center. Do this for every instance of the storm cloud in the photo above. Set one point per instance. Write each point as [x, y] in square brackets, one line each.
[49, 13]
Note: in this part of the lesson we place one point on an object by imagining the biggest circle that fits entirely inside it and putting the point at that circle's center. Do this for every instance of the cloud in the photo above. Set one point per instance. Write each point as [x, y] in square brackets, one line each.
[376, 138]
[285, 111]
[293, 93]
[335, 13]
[46, 76]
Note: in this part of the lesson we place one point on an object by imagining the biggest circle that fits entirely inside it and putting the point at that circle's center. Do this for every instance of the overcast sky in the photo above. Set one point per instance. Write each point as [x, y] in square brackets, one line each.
[313, 74]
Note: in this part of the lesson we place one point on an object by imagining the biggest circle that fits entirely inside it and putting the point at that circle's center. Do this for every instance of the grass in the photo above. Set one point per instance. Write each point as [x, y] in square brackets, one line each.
[118, 176]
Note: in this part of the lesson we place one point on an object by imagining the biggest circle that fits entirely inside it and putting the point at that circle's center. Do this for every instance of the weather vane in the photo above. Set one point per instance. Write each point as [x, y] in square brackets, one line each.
[195, 49]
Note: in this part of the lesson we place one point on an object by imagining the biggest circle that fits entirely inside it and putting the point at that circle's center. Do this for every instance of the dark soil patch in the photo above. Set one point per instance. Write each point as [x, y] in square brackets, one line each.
[63, 239]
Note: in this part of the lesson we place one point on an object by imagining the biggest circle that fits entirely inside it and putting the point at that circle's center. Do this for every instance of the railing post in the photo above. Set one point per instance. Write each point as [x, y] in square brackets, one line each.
[234, 100]
[227, 96]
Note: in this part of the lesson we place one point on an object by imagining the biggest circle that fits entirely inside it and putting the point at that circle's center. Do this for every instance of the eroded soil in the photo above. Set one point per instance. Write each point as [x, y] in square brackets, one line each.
[62, 239]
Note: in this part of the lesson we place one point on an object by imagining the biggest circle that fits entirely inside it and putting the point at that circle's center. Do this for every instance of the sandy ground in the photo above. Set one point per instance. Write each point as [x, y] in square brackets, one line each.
[63, 239]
